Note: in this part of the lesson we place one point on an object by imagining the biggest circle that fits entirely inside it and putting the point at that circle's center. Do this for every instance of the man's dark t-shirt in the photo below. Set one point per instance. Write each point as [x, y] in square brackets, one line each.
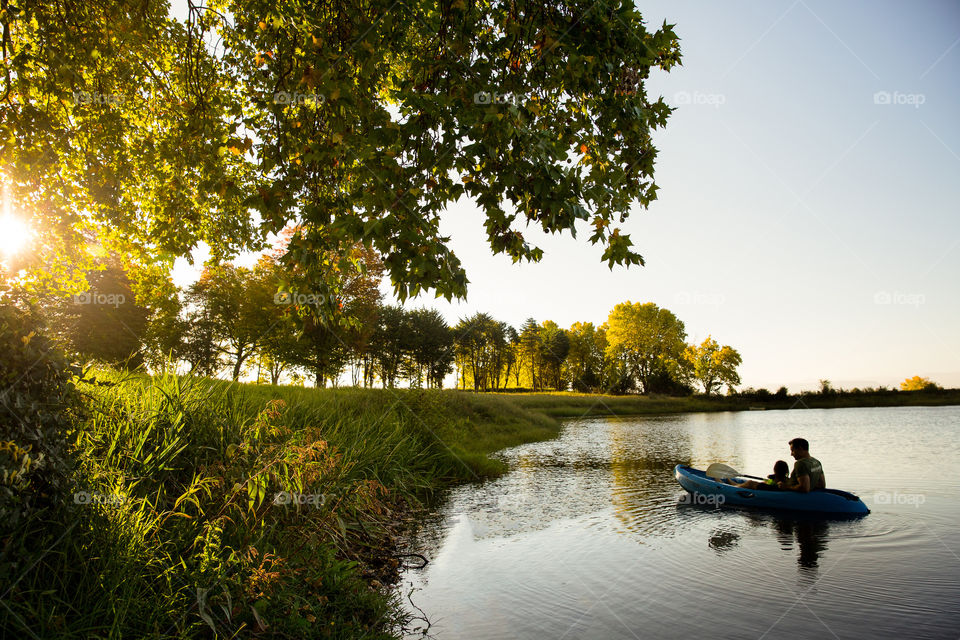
[808, 467]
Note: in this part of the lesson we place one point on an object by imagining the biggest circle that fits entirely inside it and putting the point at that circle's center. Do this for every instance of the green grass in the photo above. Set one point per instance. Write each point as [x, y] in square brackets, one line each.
[181, 535]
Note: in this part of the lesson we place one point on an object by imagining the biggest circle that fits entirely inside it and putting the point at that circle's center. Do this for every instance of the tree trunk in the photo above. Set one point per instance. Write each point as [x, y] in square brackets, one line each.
[239, 363]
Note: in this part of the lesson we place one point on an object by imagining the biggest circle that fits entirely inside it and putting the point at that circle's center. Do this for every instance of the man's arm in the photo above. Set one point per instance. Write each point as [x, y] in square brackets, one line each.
[803, 484]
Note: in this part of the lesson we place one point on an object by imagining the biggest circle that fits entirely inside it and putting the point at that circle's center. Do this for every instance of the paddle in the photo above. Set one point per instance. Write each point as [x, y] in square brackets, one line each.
[720, 471]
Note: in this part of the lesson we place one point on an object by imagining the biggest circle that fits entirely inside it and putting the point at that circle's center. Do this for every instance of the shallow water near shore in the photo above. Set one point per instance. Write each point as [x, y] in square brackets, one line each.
[590, 536]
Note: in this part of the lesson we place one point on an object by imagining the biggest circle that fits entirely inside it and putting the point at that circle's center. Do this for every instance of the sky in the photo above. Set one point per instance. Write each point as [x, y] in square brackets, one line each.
[809, 204]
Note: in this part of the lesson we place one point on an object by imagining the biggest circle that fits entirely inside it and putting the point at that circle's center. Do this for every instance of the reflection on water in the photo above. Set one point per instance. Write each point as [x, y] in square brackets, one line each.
[806, 536]
[589, 535]
[811, 538]
[721, 540]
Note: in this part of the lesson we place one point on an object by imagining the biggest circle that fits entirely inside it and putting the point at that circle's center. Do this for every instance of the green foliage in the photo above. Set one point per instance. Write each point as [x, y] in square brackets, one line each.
[585, 360]
[555, 345]
[240, 307]
[663, 382]
[712, 365]
[358, 120]
[644, 339]
[178, 530]
[431, 352]
[37, 413]
[104, 323]
[482, 346]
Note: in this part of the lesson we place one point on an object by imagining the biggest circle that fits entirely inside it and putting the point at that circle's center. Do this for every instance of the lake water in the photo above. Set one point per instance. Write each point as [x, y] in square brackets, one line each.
[590, 536]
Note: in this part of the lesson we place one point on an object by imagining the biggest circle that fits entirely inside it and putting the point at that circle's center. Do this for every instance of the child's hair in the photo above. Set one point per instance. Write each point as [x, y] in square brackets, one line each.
[780, 469]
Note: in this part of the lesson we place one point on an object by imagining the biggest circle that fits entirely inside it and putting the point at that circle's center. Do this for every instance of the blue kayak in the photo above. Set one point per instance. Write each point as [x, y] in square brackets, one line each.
[826, 501]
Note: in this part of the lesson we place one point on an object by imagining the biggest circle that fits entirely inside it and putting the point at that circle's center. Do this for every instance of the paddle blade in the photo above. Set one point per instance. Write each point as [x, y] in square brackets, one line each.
[720, 471]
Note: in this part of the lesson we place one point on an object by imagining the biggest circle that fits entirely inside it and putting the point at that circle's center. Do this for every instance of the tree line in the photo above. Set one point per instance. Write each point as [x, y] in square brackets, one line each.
[266, 322]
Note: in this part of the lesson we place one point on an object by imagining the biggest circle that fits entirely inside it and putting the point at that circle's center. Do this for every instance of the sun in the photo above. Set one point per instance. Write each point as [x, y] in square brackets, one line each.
[14, 234]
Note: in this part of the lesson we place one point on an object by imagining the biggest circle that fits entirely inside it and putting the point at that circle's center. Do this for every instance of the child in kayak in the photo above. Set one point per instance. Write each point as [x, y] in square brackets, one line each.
[774, 481]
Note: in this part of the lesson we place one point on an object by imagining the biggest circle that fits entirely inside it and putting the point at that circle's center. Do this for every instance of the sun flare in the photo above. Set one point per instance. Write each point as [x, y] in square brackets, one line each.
[14, 234]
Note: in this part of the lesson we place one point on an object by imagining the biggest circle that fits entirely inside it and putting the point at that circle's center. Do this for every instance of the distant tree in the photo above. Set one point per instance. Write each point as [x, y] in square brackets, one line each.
[531, 352]
[241, 306]
[327, 321]
[105, 323]
[644, 339]
[480, 343]
[511, 356]
[670, 380]
[167, 328]
[555, 345]
[712, 365]
[826, 387]
[430, 347]
[916, 383]
[199, 347]
[504, 355]
[320, 349]
[389, 344]
[584, 363]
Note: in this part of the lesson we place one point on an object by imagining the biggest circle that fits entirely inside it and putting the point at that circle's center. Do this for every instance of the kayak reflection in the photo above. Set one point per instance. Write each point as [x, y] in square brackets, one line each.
[810, 537]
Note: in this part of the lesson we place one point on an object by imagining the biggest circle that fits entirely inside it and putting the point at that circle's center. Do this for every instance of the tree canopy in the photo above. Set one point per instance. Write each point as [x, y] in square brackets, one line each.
[918, 383]
[358, 122]
[645, 338]
[711, 365]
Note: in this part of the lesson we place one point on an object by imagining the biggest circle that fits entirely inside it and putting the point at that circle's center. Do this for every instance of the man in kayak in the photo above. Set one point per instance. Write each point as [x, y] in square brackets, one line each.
[807, 471]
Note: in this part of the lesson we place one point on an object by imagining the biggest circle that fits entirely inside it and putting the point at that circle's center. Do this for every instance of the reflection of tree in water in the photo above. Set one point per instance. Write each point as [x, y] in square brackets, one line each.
[722, 540]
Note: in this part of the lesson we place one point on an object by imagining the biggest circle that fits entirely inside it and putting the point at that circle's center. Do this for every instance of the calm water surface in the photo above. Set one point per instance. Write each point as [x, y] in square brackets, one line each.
[590, 536]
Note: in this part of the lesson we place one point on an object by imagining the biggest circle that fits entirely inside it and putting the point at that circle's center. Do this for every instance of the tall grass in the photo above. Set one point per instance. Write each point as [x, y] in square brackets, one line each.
[205, 509]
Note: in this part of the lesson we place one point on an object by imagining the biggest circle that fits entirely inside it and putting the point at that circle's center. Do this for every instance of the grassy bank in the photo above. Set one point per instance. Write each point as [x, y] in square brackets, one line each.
[199, 508]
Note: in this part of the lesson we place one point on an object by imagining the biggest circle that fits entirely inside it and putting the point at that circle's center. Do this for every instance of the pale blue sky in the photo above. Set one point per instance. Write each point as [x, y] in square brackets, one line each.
[804, 219]
[792, 205]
